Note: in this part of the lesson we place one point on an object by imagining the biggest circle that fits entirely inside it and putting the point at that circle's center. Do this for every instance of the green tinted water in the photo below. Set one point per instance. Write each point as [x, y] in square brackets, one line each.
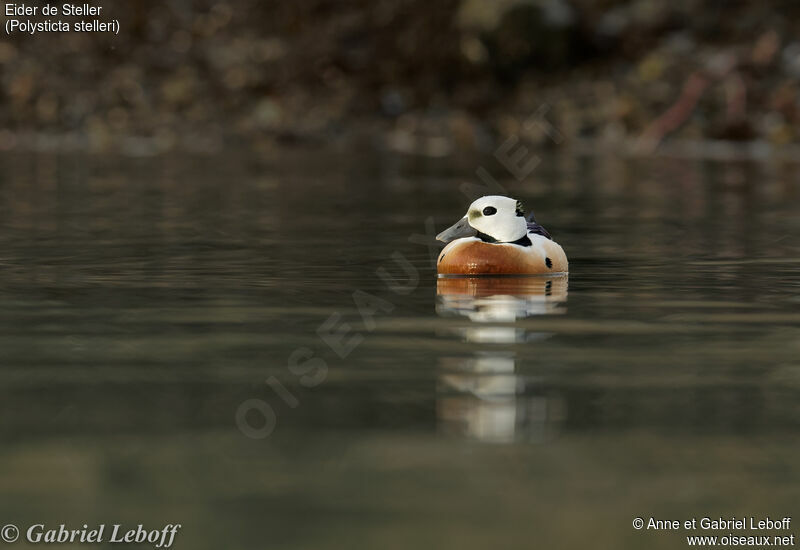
[144, 301]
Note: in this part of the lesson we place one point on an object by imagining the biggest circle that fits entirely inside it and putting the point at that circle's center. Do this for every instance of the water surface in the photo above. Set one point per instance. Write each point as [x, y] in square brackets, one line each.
[144, 300]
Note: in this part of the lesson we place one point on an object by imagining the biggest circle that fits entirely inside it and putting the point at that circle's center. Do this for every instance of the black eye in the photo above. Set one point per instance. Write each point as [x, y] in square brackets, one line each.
[489, 211]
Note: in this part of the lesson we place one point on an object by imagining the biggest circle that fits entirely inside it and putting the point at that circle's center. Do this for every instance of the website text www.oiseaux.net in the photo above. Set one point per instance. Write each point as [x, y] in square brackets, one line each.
[720, 532]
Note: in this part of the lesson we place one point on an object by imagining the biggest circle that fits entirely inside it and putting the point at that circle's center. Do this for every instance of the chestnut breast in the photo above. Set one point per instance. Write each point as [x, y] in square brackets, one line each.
[475, 257]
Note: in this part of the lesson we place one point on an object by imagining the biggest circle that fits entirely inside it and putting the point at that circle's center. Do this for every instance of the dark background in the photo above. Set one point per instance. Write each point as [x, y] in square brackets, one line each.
[407, 75]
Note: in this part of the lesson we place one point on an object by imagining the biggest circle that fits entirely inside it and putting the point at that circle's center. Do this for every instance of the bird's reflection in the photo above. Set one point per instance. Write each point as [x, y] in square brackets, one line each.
[483, 395]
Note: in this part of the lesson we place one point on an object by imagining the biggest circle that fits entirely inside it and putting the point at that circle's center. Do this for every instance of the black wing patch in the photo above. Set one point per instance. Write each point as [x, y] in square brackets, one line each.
[534, 227]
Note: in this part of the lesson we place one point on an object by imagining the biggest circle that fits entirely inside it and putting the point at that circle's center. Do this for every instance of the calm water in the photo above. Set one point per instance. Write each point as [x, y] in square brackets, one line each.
[143, 301]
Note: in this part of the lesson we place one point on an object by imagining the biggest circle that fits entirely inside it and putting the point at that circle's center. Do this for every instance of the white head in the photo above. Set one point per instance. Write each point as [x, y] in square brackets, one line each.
[499, 218]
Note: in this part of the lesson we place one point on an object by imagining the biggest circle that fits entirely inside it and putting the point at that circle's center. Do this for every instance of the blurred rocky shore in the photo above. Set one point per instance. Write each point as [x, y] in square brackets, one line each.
[407, 75]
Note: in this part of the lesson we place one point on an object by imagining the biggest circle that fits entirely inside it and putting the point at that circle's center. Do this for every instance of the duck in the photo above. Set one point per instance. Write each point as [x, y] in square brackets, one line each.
[496, 238]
